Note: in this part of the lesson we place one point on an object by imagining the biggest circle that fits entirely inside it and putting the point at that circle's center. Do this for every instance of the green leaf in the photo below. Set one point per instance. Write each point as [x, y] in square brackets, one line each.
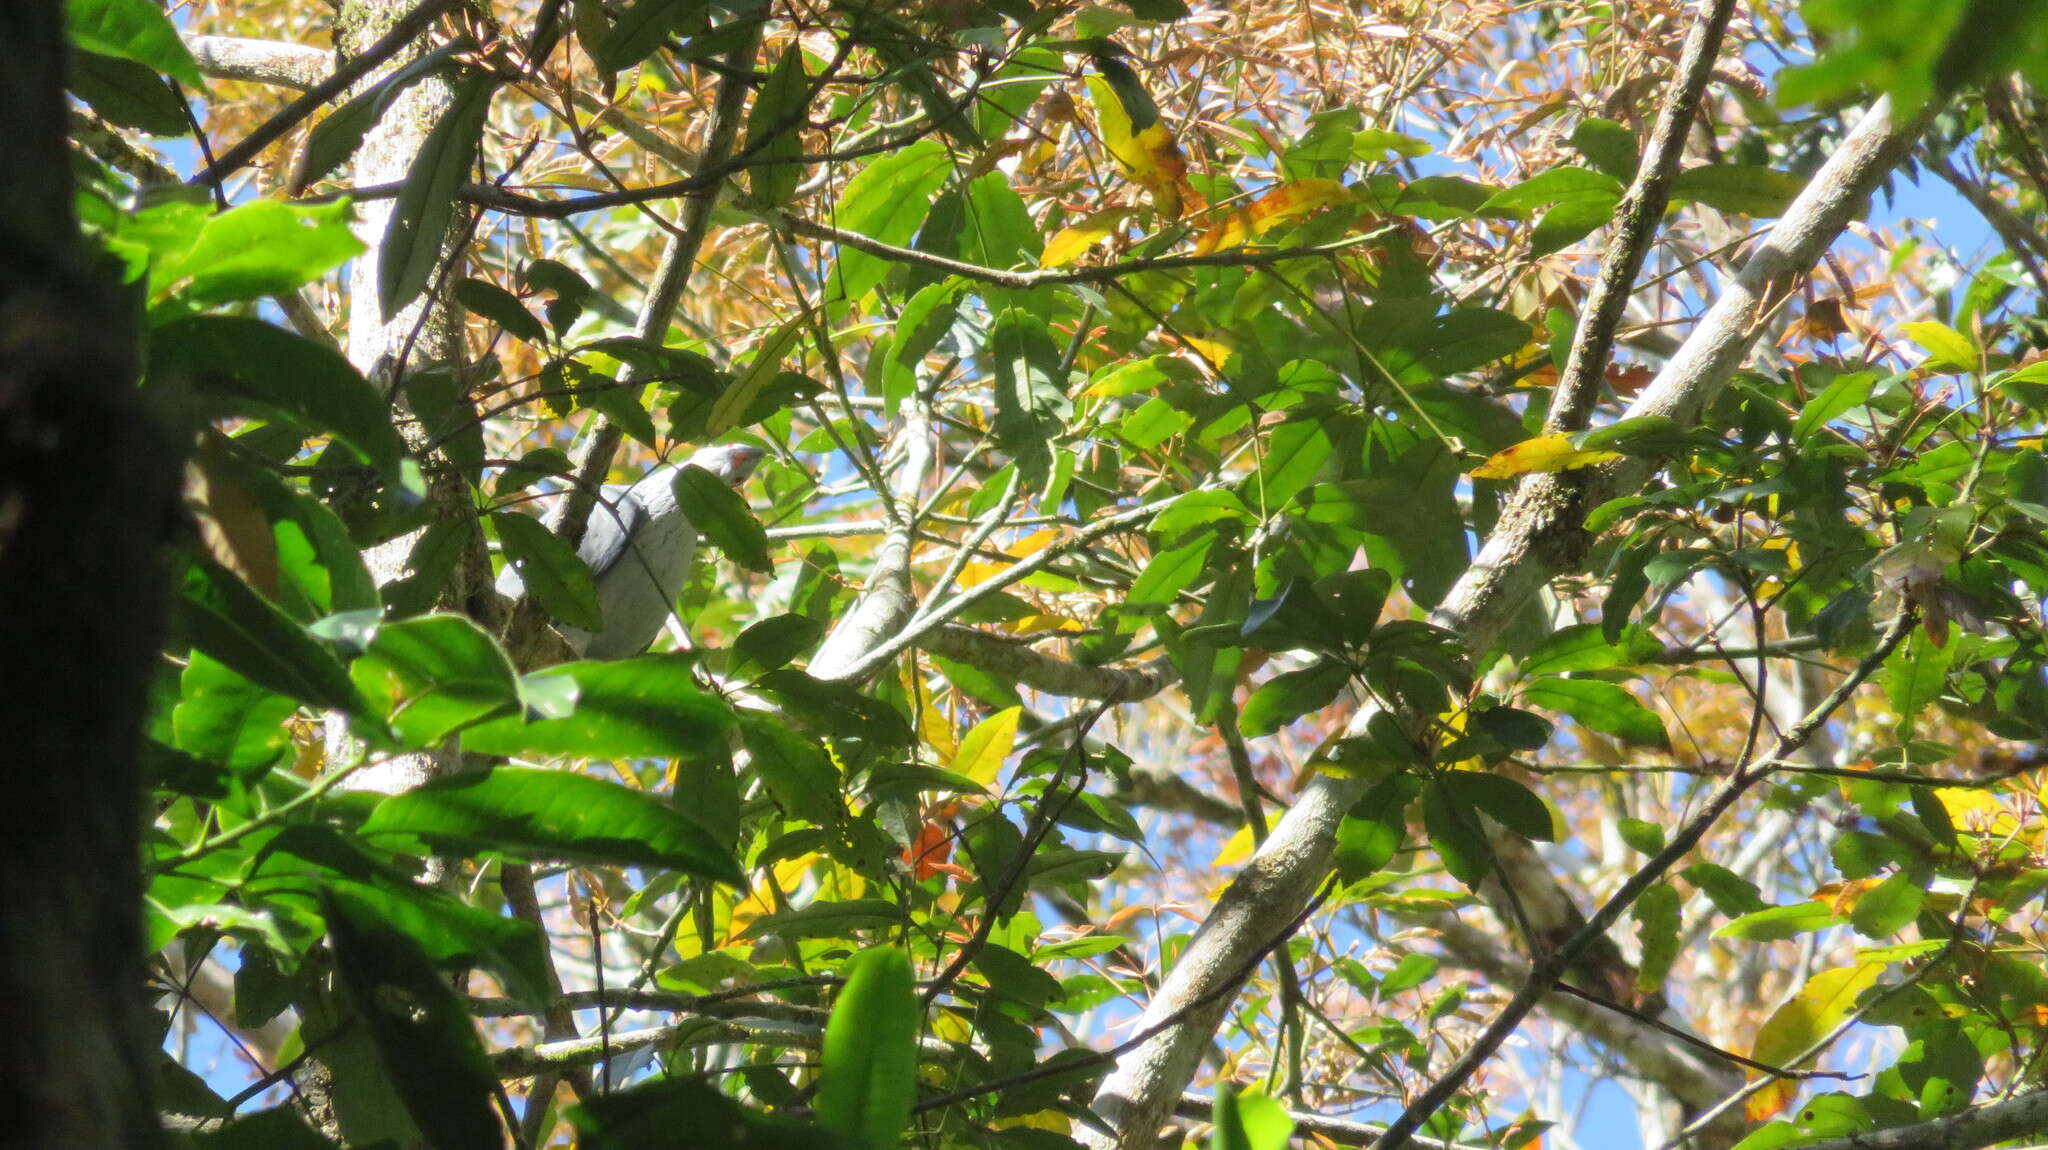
[1468, 338]
[452, 934]
[652, 1113]
[244, 366]
[1171, 571]
[1514, 729]
[1511, 804]
[1567, 224]
[261, 248]
[1844, 394]
[336, 137]
[1732, 894]
[422, 214]
[1915, 674]
[1229, 1133]
[1741, 189]
[733, 404]
[421, 1032]
[722, 515]
[1947, 348]
[1583, 647]
[1371, 833]
[553, 572]
[1780, 922]
[553, 814]
[774, 130]
[641, 29]
[1888, 907]
[1284, 698]
[225, 718]
[132, 30]
[1412, 971]
[127, 94]
[222, 617]
[528, 469]
[1453, 829]
[434, 675]
[1155, 422]
[886, 200]
[771, 643]
[869, 1077]
[796, 770]
[840, 919]
[1602, 707]
[320, 569]
[1565, 185]
[1292, 456]
[1656, 912]
[1608, 146]
[484, 298]
[646, 707]
[1642, 836]
[1031, 395]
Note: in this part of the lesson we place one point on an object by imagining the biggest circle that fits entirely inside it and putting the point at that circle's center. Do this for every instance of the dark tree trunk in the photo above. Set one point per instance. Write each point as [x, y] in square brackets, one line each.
[87, 494]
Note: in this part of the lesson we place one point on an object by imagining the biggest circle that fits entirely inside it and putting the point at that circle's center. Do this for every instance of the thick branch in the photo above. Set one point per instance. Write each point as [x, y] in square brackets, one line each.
[886, 601]
[402, 33]
[1540, 535]
[1642, 209]
[273, 62]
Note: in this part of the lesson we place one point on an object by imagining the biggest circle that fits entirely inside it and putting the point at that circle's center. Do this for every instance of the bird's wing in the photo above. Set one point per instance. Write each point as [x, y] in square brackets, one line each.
[612, 526]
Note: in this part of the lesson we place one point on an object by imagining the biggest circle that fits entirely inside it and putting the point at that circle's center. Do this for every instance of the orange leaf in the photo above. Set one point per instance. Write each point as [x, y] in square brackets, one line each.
[1276, 206]
[1552, 452]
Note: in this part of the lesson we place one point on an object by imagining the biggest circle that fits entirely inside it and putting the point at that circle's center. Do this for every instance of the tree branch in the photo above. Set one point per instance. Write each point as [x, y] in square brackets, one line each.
[886, 602]
[273, 62]
[1642, 209]
[678, 261]
[402, 33]
[1026, 667]
[1548, 969]
[1540, 534]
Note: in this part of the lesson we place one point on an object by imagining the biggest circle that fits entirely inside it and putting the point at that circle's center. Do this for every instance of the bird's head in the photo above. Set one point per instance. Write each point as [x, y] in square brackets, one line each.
[732, 462]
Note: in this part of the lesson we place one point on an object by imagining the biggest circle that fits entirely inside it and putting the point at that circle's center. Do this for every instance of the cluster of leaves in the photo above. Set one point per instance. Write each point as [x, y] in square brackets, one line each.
[1282, 353]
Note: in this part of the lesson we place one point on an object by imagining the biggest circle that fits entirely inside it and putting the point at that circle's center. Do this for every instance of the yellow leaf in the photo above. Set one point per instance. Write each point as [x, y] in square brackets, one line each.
[1148, 155]
[1041, 624]
[1276, 206]
[1947, 348]
[982, 752]
[1236, 850]
[1552, 452]
[1215, 351]
[951, 1027]
[936, 729]
[1069, 243]
[1051, 1120]
[982, 570]
[1820, 1006]
[760, 901]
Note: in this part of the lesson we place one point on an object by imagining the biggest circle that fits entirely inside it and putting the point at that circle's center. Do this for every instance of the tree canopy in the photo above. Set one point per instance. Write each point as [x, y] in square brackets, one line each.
[1322, 573]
